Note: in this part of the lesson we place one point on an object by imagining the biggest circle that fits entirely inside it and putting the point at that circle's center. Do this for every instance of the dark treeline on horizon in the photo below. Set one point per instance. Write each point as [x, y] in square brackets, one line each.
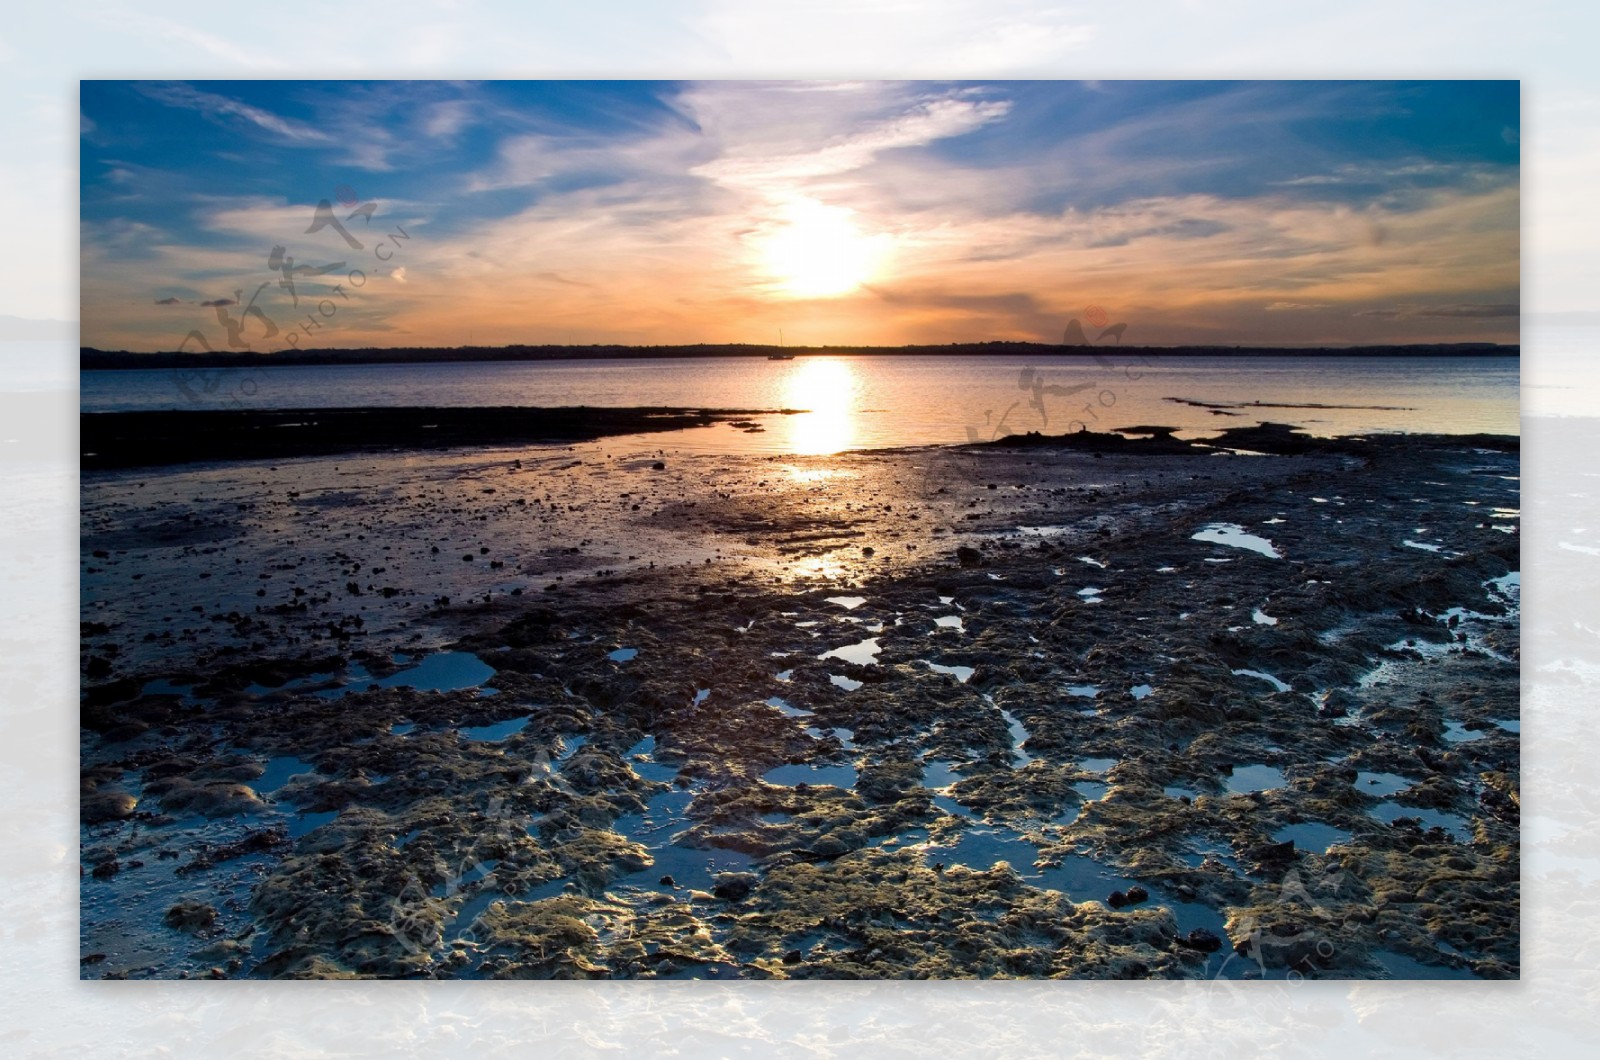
[91, 358]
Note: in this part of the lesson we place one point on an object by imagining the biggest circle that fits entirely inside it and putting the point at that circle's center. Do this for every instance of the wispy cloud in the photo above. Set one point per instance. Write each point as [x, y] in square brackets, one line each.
[776, 165]
[226, 111]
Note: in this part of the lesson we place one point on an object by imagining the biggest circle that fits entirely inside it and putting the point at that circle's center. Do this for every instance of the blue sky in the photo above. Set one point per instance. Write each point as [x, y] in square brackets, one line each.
[875, 212]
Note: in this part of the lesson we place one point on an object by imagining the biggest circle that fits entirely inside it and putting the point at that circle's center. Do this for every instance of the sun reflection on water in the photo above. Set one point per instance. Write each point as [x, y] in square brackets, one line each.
[827, 388]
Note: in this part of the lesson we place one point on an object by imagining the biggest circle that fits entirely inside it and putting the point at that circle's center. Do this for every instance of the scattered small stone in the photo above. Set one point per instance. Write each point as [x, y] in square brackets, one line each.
[734, 886]
[1202, 939]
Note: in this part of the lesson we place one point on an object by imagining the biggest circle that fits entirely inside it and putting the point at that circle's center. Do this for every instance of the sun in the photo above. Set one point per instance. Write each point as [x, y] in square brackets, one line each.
[817, 251]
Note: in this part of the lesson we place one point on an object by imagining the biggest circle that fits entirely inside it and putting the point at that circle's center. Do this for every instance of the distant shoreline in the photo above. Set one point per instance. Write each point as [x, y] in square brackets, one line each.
[91, 359]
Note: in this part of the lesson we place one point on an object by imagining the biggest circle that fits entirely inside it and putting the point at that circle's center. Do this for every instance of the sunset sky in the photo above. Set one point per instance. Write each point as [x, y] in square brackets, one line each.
[840, 212]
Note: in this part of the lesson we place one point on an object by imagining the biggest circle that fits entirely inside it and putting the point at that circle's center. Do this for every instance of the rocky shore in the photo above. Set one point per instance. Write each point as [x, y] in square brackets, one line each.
[1097, 706]
[158, 438]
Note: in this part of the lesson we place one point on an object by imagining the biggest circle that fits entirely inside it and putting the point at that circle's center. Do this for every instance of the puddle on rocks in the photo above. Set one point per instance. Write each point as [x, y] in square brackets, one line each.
[1202, 849]
[849, 684]
[1096, 765]
[1453, 823]
[1311, 835]
[1175, 791]
[569, 746]
[401, 728]
[278, 772]
[960, 673]
[1235, 536]
[849, 603]
[1381, 784]
[982, 847]
[303, 823]
[622, 655]
[938, 774]
[1456, 732]
[1246, 779]
[641, 757]
[446, 671]
[1276, 683]
[950, 622]
[1091, 790]
[788, 711]
[664, 816]
[1019, 734]
[1261, 618]
[1140, 691]
[1083, 879]
[862, 653]
[846, 737]
[495, 731]
[815, 774]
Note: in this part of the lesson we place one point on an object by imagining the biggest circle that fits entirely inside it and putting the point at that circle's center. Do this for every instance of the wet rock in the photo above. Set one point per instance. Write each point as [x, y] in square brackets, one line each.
[1202, 939]
[968, 556]
[221, 799]
[1272, 855]
[734, 886]
[191, 917]
[100, 806]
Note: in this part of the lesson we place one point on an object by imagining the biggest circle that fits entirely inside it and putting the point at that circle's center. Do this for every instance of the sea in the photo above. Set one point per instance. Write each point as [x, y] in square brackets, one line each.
[853, 402]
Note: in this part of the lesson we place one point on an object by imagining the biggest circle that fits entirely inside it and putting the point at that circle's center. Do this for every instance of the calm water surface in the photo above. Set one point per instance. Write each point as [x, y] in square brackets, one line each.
[856, 402]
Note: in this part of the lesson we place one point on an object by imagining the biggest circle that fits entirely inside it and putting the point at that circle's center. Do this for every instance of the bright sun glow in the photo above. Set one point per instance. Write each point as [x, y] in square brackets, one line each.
[817, 251]
[827, 389]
